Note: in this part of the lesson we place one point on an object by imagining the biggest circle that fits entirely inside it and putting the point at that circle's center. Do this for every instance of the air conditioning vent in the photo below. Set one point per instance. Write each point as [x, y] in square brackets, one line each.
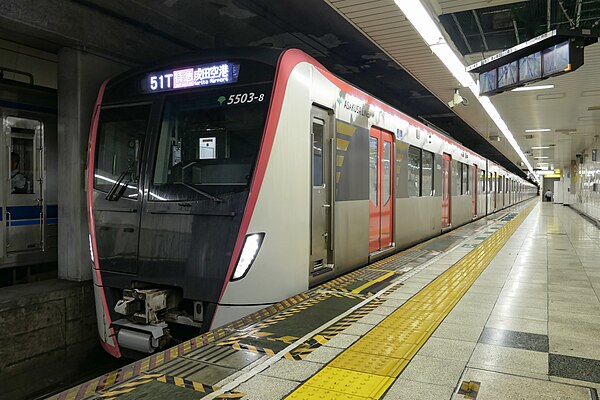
[529, 136]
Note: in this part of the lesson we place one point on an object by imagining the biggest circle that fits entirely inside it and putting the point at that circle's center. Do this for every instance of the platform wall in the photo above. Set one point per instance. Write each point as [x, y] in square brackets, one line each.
[587, 184]
[48, 334]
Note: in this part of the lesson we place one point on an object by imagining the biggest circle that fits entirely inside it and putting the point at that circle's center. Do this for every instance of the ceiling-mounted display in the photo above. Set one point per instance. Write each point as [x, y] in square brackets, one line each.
[553, 53]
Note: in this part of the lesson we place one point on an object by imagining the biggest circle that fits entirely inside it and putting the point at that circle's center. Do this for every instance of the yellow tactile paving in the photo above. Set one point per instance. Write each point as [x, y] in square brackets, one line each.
[351, 382]
[371, 364]
[368, 367]
[308, 392]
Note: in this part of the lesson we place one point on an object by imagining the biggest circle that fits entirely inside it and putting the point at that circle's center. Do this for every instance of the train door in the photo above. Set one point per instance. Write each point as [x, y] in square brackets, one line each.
[321, 254]
[24, 200]
[446, 192]
[381, 193]
[118, 145]
[474, 176]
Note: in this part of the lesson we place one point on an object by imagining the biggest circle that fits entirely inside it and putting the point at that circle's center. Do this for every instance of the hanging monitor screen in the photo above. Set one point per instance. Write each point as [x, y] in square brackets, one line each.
[487, 81]
[191, 77]
[530, 67]
[508, 74]
[556, 59]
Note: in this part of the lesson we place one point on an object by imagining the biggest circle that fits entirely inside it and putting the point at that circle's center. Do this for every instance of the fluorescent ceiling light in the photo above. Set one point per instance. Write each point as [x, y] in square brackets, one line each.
[429, 30]
[540, 157]
[538, 130]
[526, 88]
[540, 147]
[546, 172]
[421, 20]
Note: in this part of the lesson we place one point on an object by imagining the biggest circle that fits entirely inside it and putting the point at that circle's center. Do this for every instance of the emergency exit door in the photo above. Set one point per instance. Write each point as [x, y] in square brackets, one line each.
[446, 191]
[381, 189]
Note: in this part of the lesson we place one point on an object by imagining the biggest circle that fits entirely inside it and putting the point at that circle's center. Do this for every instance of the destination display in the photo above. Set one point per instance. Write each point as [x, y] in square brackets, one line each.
[190, 77]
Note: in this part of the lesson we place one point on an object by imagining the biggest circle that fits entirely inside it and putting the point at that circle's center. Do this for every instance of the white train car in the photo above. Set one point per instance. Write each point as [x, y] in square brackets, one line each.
[230, 193]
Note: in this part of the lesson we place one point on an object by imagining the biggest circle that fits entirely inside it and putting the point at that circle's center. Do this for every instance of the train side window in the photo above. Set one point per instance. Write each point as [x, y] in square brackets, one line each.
[465, 179]
[387, 166]
[414, 171]
[317, 130]
[427, 175]
[482, 175]
[120, 139]
[373, 169]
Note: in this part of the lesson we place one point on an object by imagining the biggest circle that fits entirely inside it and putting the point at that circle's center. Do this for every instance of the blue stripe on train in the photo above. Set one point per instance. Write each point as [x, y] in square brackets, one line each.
[49, 221]
[29, 212]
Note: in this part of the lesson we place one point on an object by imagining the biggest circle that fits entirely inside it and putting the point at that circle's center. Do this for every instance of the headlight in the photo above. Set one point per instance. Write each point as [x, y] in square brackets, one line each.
[249, 251]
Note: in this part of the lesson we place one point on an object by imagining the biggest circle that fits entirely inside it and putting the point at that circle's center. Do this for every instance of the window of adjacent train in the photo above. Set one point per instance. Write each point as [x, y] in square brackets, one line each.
[414, 171]
[119, 145]
[209, 143]
[427, 168]
[21, 165]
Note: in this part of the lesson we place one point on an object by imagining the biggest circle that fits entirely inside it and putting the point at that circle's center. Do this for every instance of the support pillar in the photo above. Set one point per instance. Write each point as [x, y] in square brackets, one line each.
[80, 75]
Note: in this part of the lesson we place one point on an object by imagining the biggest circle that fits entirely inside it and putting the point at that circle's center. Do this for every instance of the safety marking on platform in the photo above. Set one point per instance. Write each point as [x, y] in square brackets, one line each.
[129, 387]
[469, 389]
[369, 366]
[318, 340]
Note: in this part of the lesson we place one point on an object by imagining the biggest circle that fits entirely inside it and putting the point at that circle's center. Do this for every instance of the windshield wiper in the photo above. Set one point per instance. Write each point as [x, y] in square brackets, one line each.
[203, 193]
[118, 188]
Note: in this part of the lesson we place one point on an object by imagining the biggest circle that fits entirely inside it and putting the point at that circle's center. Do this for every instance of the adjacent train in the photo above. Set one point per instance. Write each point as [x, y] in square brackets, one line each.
[28, 191]
[223, 182]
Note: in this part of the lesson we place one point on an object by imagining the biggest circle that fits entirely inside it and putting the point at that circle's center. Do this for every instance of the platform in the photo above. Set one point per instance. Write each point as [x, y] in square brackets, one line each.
[505, 307]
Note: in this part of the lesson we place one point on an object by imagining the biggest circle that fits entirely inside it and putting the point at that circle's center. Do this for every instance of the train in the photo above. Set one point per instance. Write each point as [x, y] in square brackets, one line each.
[28, 188]
[225, 181]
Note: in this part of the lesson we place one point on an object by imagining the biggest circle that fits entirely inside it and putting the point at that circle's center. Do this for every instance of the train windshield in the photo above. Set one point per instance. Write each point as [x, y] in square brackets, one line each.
[209, 143]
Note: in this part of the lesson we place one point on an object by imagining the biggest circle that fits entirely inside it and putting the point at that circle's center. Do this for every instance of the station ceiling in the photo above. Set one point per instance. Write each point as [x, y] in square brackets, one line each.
[366, 42]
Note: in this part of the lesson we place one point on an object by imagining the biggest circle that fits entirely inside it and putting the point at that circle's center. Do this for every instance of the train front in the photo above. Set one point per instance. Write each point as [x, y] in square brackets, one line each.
[173, 153]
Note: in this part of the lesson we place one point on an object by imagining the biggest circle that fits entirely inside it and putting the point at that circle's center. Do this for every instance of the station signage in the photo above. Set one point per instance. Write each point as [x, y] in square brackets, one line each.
[191, 77]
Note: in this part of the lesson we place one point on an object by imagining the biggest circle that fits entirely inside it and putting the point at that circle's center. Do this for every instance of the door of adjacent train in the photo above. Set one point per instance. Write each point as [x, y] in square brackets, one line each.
[23, 208]
[446, 193]
[321, 247]
[119, 143]
[474, 175]
[381, 189]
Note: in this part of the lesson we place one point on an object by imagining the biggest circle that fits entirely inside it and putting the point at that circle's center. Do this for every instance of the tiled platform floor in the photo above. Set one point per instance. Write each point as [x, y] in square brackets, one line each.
[531, 321]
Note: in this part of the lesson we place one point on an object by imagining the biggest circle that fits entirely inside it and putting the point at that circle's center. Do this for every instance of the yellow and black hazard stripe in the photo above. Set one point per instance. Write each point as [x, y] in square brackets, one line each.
[329, 333]
[253, 349]
[130, 386]
[199, 387]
